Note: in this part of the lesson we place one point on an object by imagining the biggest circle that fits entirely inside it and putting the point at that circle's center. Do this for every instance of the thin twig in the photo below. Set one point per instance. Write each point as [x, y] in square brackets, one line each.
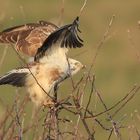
[101, 42]
[61, 14]
[111, 132]
[33, 75]
[17, 118]
[133, 46]
[82, 8]
[114, 124]
[115, 105]
[3, 56]
[89, 100]
[128, 100]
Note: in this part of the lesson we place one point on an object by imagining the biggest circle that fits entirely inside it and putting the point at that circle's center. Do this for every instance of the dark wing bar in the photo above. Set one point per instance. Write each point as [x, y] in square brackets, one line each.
[14, 78]
[66, 35]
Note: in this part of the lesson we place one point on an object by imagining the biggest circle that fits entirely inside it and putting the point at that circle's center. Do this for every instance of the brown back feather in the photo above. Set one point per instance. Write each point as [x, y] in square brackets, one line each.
[29, 37]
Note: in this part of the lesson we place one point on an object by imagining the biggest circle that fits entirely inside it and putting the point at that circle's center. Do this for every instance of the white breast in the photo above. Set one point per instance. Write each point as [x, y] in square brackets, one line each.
[47, 76]
[51, 68]
[55, 56]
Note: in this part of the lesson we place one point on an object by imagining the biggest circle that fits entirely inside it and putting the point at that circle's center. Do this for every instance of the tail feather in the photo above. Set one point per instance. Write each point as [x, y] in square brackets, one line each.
[16, 77]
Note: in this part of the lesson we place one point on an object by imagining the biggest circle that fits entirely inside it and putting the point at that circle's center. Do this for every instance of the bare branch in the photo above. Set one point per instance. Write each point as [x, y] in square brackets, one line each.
[3, 56]
[82, 8]
[102, 42]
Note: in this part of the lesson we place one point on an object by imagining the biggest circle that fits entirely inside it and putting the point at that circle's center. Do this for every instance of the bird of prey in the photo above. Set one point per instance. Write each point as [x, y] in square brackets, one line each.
[51, 65]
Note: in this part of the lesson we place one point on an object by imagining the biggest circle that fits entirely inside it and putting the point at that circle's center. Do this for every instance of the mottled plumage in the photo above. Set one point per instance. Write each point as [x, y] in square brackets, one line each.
[47, 76]
[29, 37]
[51, 65]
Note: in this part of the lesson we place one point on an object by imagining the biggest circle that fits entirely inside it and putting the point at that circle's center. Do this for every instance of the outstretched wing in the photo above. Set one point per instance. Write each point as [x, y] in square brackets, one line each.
[16, 77]
[29, 37]
[66, 36]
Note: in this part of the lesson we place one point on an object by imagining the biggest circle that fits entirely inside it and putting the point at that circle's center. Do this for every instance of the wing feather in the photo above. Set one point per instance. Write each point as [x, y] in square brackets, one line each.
[15, 77]
[66, 36]
[28, 37]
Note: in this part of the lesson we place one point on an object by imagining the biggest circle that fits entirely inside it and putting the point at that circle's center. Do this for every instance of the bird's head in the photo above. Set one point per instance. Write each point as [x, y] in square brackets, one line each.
[75, 66]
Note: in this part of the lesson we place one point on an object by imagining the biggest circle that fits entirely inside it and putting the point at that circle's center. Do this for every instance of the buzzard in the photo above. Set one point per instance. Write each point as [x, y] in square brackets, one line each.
[51, 65]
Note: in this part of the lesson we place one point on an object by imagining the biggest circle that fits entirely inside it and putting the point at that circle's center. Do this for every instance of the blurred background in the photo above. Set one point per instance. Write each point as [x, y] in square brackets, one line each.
[117, 66]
